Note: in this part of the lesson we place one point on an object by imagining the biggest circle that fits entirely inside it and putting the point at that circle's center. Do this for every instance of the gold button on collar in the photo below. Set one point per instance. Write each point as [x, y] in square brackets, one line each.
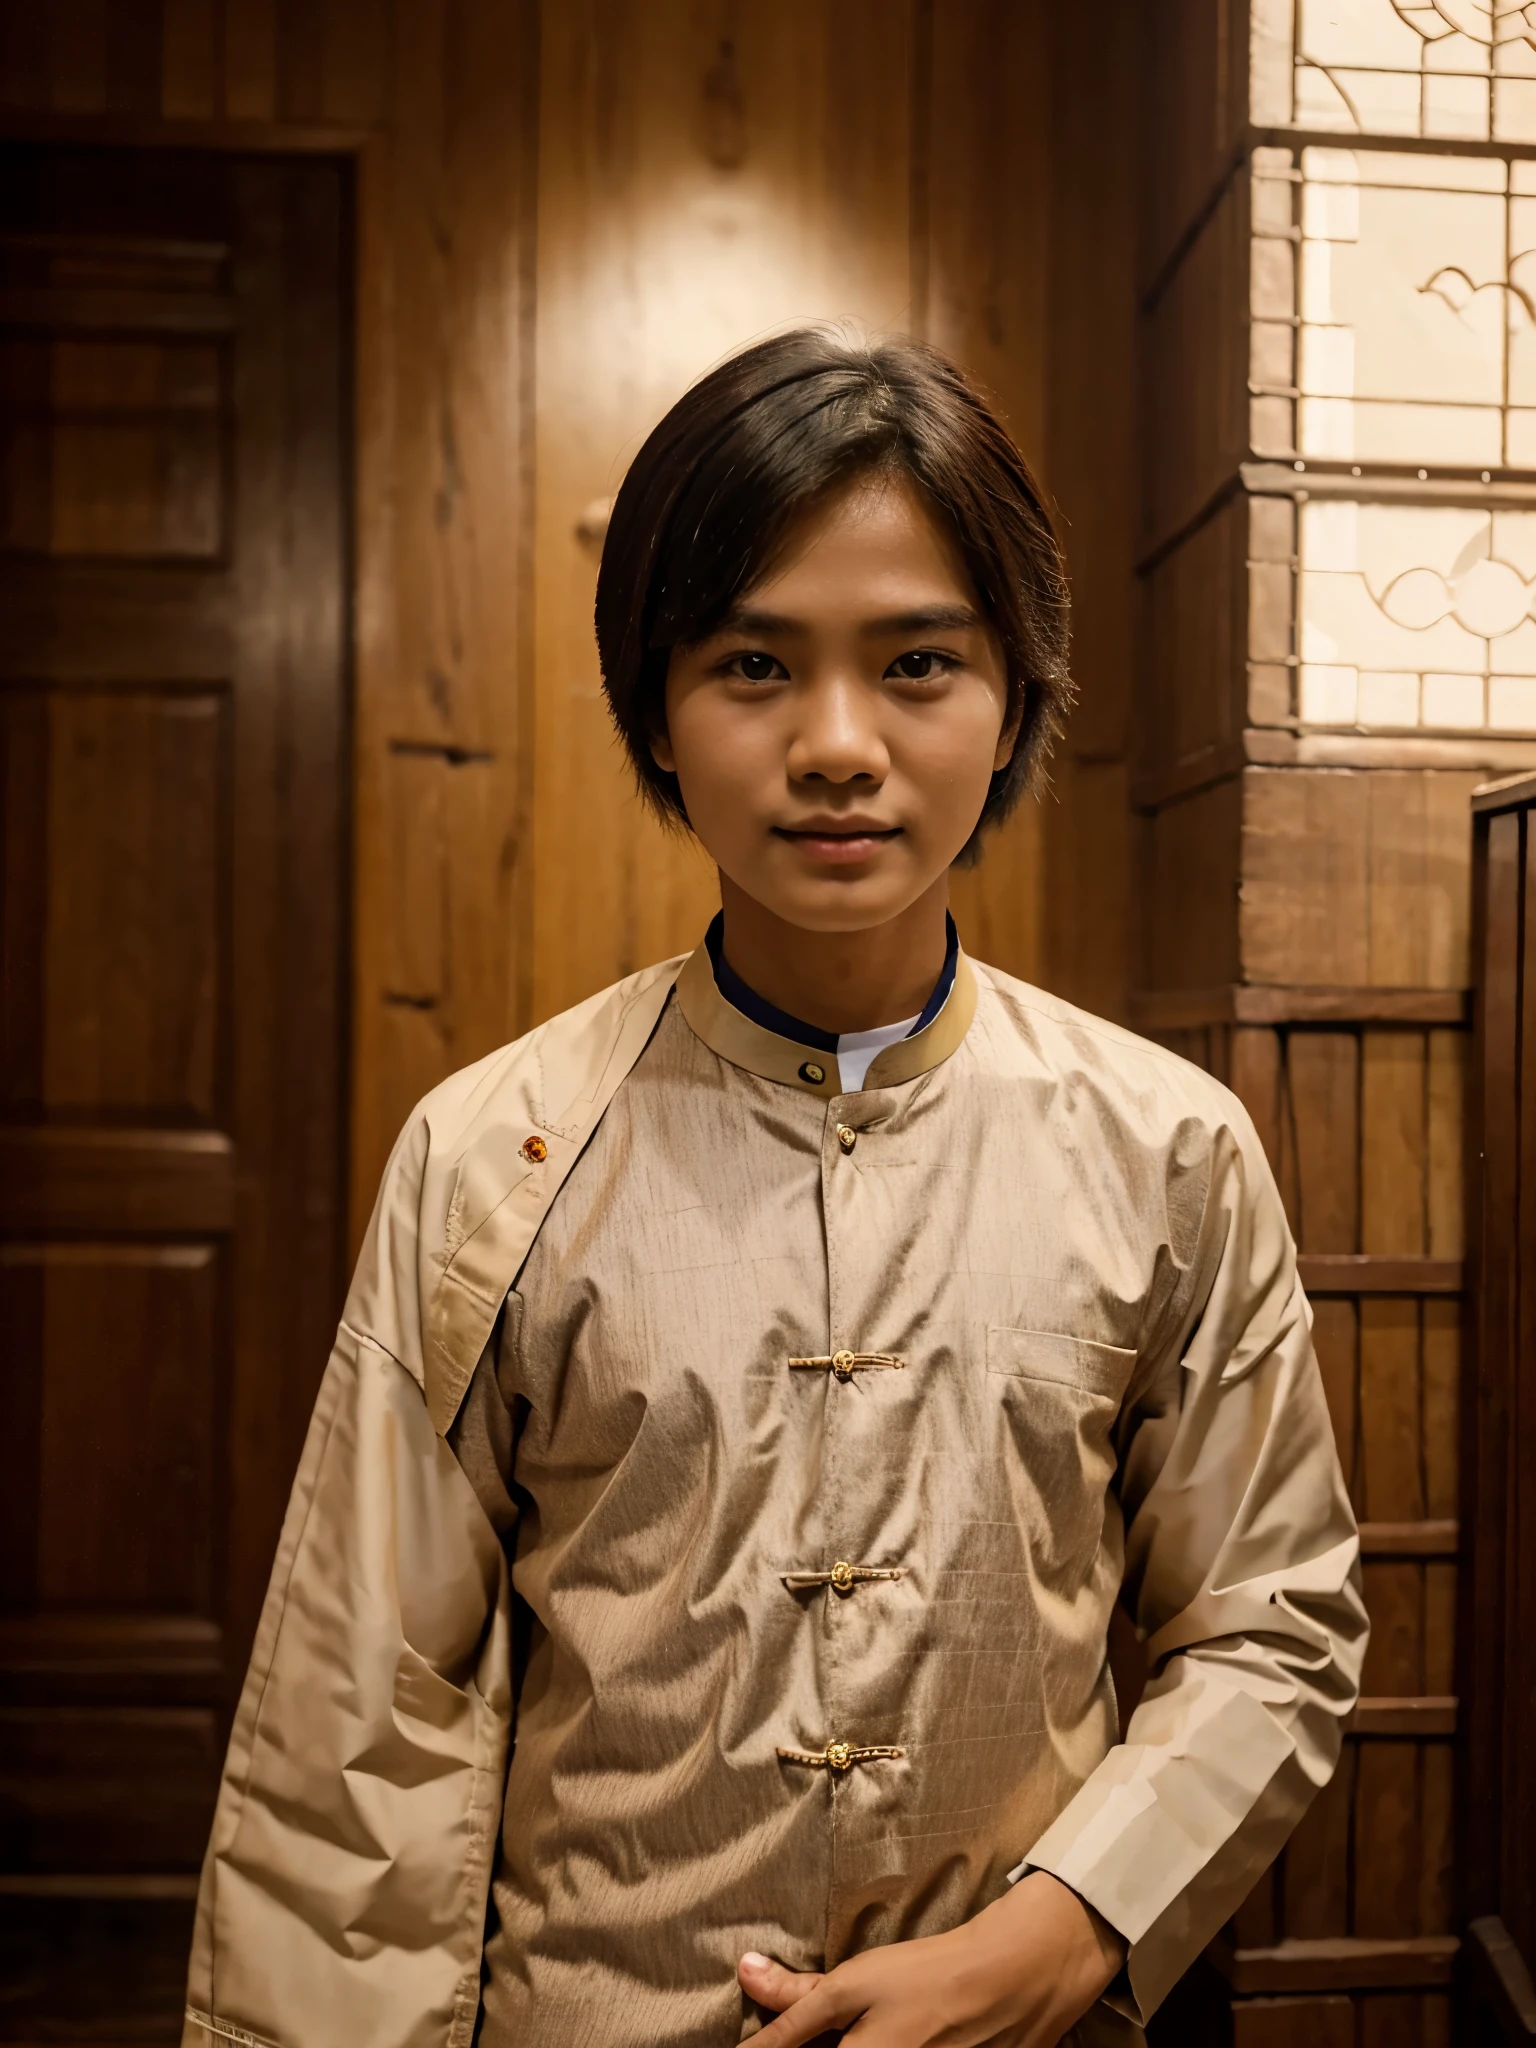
[813, 1073]
[534, 1150]
[847, 1137]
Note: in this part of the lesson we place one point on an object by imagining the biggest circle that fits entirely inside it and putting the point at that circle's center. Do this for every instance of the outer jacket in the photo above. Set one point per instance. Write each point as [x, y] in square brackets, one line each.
[344, 1894]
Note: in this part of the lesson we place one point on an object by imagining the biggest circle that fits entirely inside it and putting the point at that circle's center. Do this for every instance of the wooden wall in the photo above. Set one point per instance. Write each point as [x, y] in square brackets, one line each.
[707, 175]
[564, 214]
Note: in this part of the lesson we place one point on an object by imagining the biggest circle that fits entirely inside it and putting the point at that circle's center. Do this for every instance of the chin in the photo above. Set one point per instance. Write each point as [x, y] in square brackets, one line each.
[848, 909]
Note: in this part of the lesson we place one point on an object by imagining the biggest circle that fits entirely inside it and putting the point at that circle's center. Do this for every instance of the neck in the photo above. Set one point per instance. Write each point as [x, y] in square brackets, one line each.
[839, 981]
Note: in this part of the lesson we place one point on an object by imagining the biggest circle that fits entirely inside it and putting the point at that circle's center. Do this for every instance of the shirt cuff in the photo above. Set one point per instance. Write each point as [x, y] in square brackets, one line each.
[1167, 1837]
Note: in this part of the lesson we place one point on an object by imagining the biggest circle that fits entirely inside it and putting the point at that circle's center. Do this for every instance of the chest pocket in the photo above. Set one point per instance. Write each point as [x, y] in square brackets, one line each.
[1062, 1461]
[1103, 1370]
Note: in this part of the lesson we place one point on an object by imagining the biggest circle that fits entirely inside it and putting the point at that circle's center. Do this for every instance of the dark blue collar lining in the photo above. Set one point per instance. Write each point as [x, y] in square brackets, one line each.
[771, 1018]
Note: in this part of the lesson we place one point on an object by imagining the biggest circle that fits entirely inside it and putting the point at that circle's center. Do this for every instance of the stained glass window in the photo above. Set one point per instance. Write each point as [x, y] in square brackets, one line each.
[1393, 340]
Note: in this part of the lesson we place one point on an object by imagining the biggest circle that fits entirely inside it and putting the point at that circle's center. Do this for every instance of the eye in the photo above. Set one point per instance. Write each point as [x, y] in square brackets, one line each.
[921, 665]
[755, 668]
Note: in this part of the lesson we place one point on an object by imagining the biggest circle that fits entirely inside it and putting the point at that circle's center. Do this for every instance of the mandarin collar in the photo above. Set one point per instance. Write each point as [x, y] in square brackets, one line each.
[735, 1037]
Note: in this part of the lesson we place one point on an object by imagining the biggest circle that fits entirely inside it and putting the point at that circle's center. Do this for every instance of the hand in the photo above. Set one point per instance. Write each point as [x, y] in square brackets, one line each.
[1019, 1975]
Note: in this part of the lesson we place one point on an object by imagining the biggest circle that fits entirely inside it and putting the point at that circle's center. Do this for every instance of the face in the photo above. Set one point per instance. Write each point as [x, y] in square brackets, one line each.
[834, 740]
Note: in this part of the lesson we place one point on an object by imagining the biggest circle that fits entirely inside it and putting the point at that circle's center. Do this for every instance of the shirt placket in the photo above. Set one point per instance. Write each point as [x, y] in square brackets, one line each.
[852, 1358]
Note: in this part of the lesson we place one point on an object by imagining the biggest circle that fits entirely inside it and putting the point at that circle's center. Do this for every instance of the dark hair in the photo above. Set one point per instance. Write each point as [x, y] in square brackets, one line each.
[708, 499]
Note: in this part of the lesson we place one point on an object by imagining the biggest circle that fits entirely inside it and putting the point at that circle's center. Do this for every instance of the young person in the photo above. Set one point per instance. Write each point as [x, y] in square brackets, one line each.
[760, 1383]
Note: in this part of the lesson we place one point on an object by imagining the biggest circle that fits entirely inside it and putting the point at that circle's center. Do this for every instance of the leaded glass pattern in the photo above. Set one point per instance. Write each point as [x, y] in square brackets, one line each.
[1417, 338]
[1415, 616]
[1463, 69]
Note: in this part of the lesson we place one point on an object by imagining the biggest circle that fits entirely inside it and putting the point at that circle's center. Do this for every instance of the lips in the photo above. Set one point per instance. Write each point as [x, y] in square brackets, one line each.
[840, 842]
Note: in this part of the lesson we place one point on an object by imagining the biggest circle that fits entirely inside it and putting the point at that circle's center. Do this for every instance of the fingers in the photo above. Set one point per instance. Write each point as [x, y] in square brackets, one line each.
[818, 2010]
[771, 1984]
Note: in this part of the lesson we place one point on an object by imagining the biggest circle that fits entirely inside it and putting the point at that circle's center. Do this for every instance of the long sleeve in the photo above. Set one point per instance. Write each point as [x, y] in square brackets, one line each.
[344, 1891]
[1242, 1574]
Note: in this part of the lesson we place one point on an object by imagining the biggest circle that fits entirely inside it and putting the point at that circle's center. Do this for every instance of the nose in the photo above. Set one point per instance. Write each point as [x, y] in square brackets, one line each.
[837, 734]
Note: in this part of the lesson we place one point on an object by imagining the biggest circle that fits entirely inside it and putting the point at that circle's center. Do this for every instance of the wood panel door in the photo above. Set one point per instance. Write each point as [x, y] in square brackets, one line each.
[1499, 1603]
[173, 778]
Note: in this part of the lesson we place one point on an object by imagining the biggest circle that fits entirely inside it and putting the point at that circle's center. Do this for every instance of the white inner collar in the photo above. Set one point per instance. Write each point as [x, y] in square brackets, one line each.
[858, 1050]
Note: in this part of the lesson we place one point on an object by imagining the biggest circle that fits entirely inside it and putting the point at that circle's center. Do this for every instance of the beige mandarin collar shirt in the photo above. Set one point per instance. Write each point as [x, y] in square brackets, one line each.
[825, 1430]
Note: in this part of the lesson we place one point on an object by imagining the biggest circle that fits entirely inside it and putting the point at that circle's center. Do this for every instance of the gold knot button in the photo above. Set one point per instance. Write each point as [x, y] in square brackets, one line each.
[534, 1150]
[839, 1755]
[843, 1364]
[812, 1073]
[842, 1575]
[847, 1137]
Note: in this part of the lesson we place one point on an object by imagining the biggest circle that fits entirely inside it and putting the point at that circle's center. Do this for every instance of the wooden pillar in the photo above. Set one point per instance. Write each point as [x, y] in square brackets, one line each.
[1337, 568]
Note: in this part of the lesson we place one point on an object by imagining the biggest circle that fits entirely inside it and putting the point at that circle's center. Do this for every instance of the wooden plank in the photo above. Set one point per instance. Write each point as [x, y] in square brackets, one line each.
[109, 1963]
[1392, 1475]
[1336, 1339]
[78, 56]
[1195, 352]
[1509, 793]
[1499, 1962]
[1439, 1626]
[1089, 860]
[1375, 1273]
[1194, 636]
[149, 1659]
[59, 1177]
[87, 309]
[1404, 1717]
[1389, 1841]
[1442, 1350]
[1393, 2020]
[1502, 859]
[1394, 1599]
[1090, 439]
[1190, 874]
[300, 59]
[23, 58]
[190, 87]
[1323, 1083]
[445, 553]
[250, 60]
[1518, 1891]
[1446, 1163]
[1408, 1539]
[133, 56]
[291, 556]
[1256, 1078]
[104, 1787]
[1356, 877]
[1197, 100]
[1437, 1769]
[1341, 1963]
[355, 60]
[1326, 2022]
[1314, 1869]
[96, 1884]
[1394, 1142]
[1185, 1008]
[1256, 1923]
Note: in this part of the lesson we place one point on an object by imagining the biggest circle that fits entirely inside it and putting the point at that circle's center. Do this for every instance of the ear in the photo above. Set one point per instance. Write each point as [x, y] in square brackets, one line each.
[661, 752]
[1008, 738]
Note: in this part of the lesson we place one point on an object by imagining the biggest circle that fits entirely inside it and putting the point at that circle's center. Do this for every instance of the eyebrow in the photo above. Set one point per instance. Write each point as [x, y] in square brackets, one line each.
[928, 618]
